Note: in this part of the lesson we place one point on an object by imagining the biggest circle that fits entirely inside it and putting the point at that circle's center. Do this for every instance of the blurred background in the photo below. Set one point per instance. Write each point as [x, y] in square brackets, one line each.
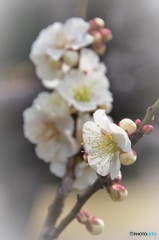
[132, 58]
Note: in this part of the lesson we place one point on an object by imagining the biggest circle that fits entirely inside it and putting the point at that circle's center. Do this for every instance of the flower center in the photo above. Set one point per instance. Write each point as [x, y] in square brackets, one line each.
[103, 145]
[53, 64]
[107, 143]
[82, 94]
[62, 40]
[49, 131]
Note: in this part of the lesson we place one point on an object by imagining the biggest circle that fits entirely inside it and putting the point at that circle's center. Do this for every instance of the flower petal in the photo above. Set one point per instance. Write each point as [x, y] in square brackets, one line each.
[102, 120]
[58, 168]
[121, 137]
[76, 27]
[115, 167]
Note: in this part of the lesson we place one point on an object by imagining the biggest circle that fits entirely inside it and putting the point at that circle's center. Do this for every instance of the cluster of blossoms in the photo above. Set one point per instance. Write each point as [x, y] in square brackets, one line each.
[77, 84]
[66, 59]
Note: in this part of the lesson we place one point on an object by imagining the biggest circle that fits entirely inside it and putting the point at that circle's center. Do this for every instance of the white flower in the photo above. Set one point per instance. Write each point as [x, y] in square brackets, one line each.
[85, 91]
[88, 62]
[104, 141]
[84, 176]
[47, 124]
[53, 42]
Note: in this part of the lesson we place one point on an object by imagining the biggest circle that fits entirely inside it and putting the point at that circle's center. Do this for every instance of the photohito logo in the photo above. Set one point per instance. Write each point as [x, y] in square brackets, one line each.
[147, 234]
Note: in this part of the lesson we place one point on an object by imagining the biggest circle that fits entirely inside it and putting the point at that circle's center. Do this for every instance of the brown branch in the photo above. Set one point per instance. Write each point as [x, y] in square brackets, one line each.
[81, 199]
[55, 209]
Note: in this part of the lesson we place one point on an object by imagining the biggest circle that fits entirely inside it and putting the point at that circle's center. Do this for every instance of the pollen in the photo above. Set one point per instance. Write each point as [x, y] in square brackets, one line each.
[82, 94]
[103, 145]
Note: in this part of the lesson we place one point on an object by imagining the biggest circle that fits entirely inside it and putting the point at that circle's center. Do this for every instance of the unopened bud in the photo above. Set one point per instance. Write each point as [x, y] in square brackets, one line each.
[99, 48]
[138, 122]
[147, 129]
[128, 125]
[82, 217]
[106, 34]
[117, 192]
[95, 225]
[96, 23]
[119, 177]
[71, 58]
[97, 37]
[128, 158]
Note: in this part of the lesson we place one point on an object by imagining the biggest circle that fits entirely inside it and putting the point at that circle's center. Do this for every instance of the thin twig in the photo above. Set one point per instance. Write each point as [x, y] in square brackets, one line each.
[82, 9]
[55, 209]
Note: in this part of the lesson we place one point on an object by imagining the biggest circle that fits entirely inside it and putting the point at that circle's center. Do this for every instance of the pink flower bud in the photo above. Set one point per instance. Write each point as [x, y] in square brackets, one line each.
[138, 122]
[128, 158]
[82, 217]
[97, 36]
[147, 129]
[117, 192]
[95, 225]
[106, 34]
[119, 178]
[99, 48]
[71, 58]
[128, 125]
[96, 23]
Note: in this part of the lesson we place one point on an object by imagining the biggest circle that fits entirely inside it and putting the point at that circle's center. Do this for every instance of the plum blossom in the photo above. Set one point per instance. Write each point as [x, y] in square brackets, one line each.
[47, 124]
[86, 91]
[52, 43]
[104, 141]
[88, 62]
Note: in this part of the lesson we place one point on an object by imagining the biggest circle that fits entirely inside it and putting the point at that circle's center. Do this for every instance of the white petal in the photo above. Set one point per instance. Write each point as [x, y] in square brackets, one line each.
[121, 137]
[47, 151]
[101, 119]
[88, 60]
[83, 42]
[101, 165]
[50, 84]
[90, 132]
[115, 167]
[76, 27]
[86, 177]
[58, 168]
[55, 53]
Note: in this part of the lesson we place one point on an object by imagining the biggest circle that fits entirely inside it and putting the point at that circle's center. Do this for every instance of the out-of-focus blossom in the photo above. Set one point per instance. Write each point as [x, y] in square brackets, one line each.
[85, 91]
[104, 141]
[47, 124]
[86, 61]
[84, 176]
[81, 119]
[53, 42]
